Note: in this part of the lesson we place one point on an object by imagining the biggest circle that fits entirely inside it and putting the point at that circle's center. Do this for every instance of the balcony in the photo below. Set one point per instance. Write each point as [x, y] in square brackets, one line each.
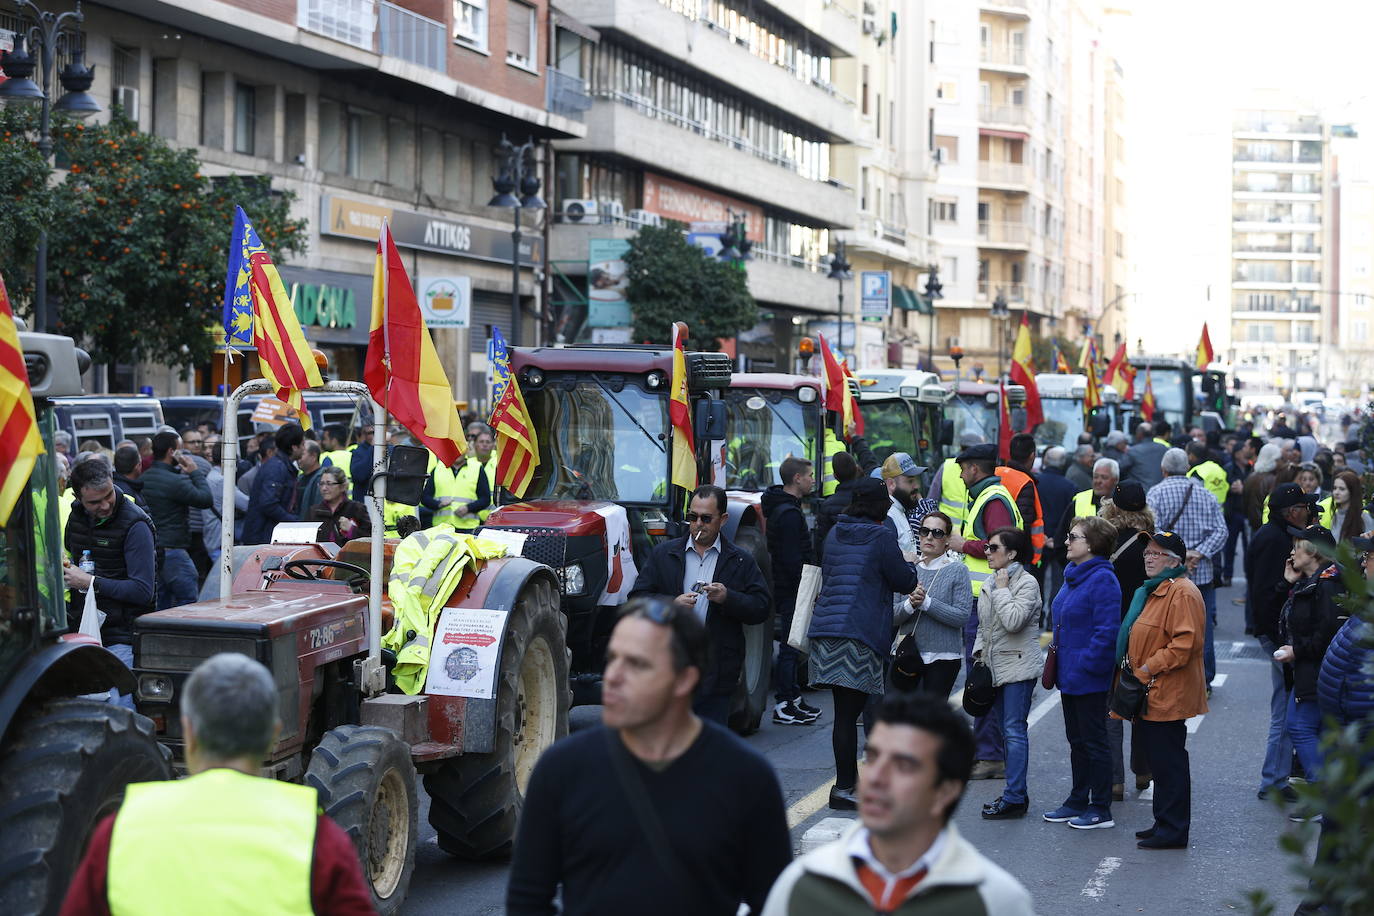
[353, 22]
[1012, 9]
[566, 95]
[1279, 122]
[1002, 57]
[1014, 292]
[1003, 234]
[1001, 174]
[413, 37]
[1005, 115]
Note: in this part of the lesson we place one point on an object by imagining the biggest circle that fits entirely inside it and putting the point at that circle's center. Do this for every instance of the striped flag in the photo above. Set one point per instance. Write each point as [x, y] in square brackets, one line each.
[20, 444]
[1023, 373]
[1204, 349]
[853, 416]
[283, 352]
[1120, 374]
[683, 471]
[517, 445]
[1061, 365]
[835, 377]
[1093, 396]
[1147, 400]
[402, 369]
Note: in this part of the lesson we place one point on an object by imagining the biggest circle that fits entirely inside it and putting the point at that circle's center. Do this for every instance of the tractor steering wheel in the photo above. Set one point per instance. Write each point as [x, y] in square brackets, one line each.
[298, 569]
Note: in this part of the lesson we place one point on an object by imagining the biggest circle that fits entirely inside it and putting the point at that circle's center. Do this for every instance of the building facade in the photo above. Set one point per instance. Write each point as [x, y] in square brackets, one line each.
[1349, 357]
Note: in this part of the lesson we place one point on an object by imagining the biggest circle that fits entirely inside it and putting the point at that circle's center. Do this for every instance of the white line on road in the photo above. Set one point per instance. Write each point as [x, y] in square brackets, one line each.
[1043, 707]
[809, 805]
[1097, 884]
[1193, 724]
[1218, 680]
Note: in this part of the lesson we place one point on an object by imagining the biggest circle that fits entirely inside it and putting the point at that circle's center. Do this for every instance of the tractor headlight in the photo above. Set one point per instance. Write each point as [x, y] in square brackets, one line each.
[155, 688]
[574, 580]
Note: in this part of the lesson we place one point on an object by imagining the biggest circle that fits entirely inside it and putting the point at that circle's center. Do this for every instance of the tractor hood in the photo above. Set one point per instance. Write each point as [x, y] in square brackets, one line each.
[574, 517]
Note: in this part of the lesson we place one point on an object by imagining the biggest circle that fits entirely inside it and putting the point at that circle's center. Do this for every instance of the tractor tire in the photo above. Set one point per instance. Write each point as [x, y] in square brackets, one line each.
[64, 769]
[366, 783]
[751, 694]
[476, 799]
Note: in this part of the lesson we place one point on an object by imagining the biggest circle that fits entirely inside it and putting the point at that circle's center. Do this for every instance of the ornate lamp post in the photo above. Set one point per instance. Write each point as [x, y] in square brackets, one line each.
[517, 172]
[1000, 314]
[840, 270]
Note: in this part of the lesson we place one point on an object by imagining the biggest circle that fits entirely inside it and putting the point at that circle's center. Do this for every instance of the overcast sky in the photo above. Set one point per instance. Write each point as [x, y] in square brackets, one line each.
[1187, 64]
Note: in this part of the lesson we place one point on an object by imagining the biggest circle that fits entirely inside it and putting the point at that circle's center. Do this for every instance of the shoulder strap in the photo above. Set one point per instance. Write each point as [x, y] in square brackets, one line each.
[646, 816]
[1122, 549]
[1179, 514]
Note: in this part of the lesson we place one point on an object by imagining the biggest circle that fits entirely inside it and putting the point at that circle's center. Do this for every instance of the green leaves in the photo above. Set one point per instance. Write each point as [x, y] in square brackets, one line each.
[137, 237]
[673, 280]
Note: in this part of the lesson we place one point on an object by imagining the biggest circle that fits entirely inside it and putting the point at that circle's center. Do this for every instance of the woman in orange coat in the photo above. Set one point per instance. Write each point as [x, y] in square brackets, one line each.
[1162, 636]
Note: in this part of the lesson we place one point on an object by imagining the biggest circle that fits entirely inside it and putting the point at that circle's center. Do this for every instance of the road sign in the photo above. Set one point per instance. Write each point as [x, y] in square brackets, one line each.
[875, 294]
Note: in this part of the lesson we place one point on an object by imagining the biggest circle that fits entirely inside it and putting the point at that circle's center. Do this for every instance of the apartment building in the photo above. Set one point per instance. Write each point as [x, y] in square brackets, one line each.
[708, 112]
[1116, 293]
[1349, 357]
[366, 110]
[1084, 152]
[1280, 231]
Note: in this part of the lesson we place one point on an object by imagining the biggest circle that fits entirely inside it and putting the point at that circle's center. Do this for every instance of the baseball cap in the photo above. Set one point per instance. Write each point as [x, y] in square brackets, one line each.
[900, 464]
[868, 486]
[1314, 533]
[969, 438]
[983, 452]
[1288, 495]
[1170, 542]
[1129, 495]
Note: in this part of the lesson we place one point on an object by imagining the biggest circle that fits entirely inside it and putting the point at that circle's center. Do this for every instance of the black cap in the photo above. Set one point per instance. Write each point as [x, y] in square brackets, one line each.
[1129, 495]
[1314, 533]
[985, 452]
[1170, 542]
[1288, 495]
[868, 486]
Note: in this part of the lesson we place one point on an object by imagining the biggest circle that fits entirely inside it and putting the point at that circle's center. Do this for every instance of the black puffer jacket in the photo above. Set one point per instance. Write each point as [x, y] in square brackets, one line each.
[789, 544]
[1309, 621]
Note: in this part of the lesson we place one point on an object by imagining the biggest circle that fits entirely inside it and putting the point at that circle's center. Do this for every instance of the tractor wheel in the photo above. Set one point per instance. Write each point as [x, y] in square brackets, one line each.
[63, 771]
[366, 783]
[476, 799]
[751, 695]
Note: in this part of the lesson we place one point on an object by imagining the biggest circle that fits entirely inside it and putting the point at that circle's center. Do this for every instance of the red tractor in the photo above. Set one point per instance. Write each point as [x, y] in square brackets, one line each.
[314, 615]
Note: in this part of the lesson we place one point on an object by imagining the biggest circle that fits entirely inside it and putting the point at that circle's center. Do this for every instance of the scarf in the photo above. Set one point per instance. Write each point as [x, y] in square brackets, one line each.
[1138, 600]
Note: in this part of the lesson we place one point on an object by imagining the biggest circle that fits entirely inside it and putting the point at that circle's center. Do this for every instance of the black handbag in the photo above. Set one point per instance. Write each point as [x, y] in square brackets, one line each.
[1129, 697]
[979, 694]
[906, 658]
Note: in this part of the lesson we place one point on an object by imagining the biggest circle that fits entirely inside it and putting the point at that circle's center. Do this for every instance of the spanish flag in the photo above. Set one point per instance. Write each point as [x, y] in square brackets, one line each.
[1147, 400]
[402, 370]
[1061, 365]
[1120, 374]
[20, 444]
[1204, 349]
[517, 445]
[1023, 373]
[683, 472]
[838, 396]
[1093, 396]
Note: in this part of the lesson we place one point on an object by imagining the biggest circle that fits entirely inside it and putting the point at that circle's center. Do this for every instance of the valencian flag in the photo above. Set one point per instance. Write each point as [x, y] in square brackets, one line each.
[402, 370]
[683, 471]
[273, 328]
[1120, 374]
[517, 446]
[1147, 400]
[1093, 396]
[20, 444]
[1204, 349]
[1023, 373]
[1061, 365]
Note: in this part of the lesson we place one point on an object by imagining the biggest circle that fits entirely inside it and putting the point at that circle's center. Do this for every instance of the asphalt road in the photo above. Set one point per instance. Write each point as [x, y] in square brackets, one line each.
[1234, 842]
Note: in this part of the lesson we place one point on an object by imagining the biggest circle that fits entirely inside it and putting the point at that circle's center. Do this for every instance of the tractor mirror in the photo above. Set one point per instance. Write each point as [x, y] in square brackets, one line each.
[710, 419]
[407, 468]
[946, 432]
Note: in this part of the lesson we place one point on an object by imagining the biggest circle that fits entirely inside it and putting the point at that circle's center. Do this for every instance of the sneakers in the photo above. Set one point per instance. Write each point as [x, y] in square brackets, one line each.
[1303, 815]
[1092, 820]
[1289, 794]
[843, 799]
[789, 713]
[1062, 815]
[812, 711]
[1001, 809]
[988, 769]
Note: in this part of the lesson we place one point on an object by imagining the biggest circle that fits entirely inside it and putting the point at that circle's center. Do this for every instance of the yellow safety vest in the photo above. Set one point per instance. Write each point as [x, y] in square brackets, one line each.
[1083, 504]
[1164, 442]
[425, 570]
[219, 842]
[1326, 516]
[953, 492]
[459, 484]
[978, 569]
[1213, 477]
[833, 446]
[341, 459]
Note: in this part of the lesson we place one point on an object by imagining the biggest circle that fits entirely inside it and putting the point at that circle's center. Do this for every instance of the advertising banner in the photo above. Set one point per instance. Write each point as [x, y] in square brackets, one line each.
[446, 302]
[607, 306]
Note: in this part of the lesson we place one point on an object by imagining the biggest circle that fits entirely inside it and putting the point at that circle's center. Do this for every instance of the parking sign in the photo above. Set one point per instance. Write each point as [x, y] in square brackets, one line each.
[875, 294]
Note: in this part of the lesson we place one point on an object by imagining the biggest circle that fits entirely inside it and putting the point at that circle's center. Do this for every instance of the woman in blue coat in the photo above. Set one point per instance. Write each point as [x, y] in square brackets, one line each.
[1087, 616]
[851, 624]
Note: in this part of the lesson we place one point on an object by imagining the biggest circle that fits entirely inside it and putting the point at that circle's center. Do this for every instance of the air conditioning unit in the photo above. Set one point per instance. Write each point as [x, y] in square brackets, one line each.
[126, 97]
[579, 210]
[612, 211]
[645, 218]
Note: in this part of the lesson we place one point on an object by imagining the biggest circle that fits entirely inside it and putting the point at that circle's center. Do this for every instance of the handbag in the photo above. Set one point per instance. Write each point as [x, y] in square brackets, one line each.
[1050, 676]
[1129, 697]
[807, 590]
[979, 694]
[906, 658]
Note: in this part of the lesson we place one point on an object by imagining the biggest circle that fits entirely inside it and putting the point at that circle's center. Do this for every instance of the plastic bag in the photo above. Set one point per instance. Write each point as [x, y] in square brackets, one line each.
[91, 616]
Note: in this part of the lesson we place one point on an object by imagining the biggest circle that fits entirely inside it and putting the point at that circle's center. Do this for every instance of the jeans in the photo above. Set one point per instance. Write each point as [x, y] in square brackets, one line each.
[1116, 740]
[1278, 748]
[987, 730]
[1013, 708]
[178, 583]
[1305, 730]
[125, 653]
[1209, 652]
[1235, 533]
[1085, 725]
[785, 668]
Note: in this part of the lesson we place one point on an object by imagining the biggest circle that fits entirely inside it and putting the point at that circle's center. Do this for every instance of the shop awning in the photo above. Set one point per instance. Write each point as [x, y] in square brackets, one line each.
[909, 299]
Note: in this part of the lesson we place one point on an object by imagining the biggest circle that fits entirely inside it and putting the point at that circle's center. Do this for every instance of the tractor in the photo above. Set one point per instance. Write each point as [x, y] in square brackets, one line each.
[314, 615]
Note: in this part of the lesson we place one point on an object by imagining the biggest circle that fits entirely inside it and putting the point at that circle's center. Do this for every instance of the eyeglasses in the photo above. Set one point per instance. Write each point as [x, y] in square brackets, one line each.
[331, 483]
[931, 533]
[1075, 537]
[1157, 555]
[705, 518]
[993, 548]
[192, 441]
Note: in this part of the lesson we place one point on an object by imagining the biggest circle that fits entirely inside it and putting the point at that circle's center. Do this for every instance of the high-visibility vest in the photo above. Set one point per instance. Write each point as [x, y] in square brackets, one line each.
[342, 459]
[460, 484]
[978, 569]
[425, 570]
[1326, 512]
[259, 833]
[833, 446]
[1015, 481]
[953, 492]
[1213, 477]
[1164, 442]
[1083, 506]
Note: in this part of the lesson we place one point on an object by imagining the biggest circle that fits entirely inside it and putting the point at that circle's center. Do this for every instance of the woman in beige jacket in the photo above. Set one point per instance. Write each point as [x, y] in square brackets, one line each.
[1008, 642]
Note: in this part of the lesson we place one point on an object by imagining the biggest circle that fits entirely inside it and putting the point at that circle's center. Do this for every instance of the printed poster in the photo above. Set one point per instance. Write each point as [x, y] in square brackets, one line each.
[621, 571]
[466, 653]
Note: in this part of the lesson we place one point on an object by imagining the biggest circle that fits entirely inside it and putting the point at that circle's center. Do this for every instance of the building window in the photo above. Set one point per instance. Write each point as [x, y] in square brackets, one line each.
[1359, 331]
[863, 94]
[470, 23]
[948, 148]
[521, 35]
[245, 117]
[351, 21]
[947, 91]
[353, 142]
[949, 269]
[124, 73]
[944, 211]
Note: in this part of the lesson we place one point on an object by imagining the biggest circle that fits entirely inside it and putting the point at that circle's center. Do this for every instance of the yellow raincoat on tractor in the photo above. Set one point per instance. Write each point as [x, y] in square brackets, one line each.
[425, 570]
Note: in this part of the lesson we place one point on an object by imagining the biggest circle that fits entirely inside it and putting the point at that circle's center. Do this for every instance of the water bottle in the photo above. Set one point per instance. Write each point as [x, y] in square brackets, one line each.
[87, 564]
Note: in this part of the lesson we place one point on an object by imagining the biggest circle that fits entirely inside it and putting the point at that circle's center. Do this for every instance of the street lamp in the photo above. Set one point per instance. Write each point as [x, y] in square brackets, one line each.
[45, 33]
[840, 271]
[1000, 313]
[934, 290]
[517, 173]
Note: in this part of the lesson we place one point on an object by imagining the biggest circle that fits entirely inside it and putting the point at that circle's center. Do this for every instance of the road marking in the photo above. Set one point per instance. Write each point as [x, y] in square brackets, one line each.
[1043, 707]
[1218, 680]
[1097, 884]
[813, 802]
[1192, 724]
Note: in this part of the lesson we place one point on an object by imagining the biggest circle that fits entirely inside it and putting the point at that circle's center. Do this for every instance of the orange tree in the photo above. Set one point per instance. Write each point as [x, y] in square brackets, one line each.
[138, 237]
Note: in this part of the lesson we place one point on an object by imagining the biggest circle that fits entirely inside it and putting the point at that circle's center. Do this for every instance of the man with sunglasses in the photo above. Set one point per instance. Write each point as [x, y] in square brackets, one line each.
[706, 574]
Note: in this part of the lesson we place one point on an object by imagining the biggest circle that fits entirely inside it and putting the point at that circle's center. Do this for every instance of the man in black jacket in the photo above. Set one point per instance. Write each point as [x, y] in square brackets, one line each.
[173, 485]
[706, 574]
[846, 471]
[128, 467]
[789, 548]
[1266, 590]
